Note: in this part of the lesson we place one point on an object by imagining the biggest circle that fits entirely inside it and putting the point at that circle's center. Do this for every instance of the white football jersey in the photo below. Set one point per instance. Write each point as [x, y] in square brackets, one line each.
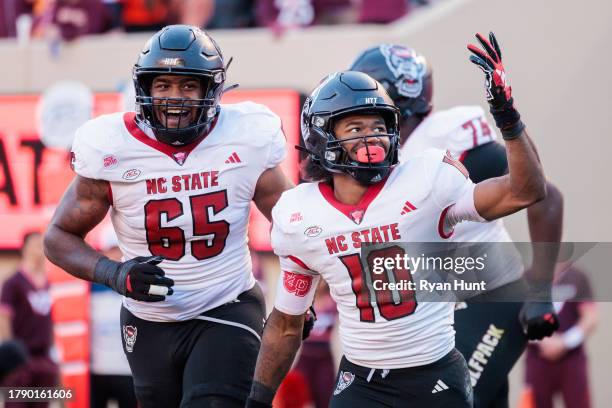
[315, 235]
[189, 204]
[459, 130]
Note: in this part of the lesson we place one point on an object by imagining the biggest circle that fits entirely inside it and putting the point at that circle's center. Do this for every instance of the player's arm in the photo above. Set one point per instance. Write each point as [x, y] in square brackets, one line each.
[82, 207]
[545, 220]
[524, 184]
[270, 185]
[545, 226]
[538, 315]
[281, 340]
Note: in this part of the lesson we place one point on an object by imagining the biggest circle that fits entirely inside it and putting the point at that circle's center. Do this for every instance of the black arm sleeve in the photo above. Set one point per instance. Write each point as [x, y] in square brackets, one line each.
[486, 161]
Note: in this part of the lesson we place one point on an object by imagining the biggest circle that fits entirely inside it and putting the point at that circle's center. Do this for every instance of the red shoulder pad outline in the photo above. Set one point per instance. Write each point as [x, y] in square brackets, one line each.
[449, 159]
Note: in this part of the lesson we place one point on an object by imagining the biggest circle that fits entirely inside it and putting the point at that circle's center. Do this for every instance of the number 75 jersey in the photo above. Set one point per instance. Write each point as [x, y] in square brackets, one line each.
[189, 204]
[316, 236]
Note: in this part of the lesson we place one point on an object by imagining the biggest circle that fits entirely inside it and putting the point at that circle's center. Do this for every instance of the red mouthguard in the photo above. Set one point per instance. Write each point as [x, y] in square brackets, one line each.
[376, 154]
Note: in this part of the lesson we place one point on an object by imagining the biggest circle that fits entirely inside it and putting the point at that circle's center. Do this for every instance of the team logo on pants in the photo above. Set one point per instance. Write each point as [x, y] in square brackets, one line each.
[129, 335]
[344, 380]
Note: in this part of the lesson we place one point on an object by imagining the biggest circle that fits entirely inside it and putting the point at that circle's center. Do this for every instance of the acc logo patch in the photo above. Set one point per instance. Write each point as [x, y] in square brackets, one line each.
[344, 380]
[313, 231]
[110, 162]
[297, 283]
[131, 174]
[129, 335]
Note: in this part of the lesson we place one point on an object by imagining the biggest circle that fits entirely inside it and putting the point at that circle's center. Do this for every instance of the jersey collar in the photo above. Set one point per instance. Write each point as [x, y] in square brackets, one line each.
[177, 153]
[355, 213]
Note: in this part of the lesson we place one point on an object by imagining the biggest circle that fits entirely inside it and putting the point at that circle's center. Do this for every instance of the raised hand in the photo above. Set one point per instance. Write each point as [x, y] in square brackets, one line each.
[489, 60]
[498, 92]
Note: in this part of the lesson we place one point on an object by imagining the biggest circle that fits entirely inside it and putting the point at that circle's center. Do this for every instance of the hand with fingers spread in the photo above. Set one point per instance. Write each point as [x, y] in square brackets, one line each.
[499, 93]
[139, 278]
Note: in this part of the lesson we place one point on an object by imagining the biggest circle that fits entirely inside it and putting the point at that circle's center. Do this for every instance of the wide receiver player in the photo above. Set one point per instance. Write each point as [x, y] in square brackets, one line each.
[398, 352]
[464, 131]
[179, 177]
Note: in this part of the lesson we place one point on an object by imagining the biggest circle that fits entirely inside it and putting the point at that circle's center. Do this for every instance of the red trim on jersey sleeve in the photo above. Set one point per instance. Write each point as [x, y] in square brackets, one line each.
[129, 118]
[299, 262]
[449, 159]
[463, 156]
[371, 193]
[441, 231]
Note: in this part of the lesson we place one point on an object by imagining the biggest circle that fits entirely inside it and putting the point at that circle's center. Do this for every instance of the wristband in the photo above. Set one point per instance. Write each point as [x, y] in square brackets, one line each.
[508, 120]
[261, 396]
[105, 272]
[573, 338]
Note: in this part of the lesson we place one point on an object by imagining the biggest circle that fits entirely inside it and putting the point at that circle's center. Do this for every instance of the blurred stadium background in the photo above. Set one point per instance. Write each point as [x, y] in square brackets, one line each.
[557, 54]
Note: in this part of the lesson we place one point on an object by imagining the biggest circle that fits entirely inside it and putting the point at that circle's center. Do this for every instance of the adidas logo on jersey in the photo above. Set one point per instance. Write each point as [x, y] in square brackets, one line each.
[407, 208]
[440, 386]
[233, 159]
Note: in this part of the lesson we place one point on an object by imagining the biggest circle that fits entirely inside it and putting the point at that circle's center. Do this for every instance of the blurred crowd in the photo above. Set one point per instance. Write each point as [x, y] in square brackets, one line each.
[69, 19]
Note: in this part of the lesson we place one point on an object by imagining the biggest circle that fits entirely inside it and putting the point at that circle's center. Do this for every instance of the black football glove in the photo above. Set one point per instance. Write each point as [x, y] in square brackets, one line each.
[139, 278]
[499, 93]
[309, 321]
[539, 320]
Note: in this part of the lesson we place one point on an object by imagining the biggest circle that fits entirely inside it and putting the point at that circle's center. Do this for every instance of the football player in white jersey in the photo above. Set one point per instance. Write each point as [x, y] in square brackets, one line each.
[179, 177]
[464, 131]
[397, 351]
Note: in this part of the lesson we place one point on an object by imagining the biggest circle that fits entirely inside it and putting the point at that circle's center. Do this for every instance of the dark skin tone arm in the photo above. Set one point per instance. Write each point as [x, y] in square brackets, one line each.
[270, 185]
[546, 226]
[523, 186]
[83, 206]
[281, 340]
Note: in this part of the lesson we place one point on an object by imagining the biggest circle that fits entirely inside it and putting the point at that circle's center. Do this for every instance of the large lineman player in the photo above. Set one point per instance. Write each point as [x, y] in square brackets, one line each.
[464, 131]
[398, 352]
[179, 177]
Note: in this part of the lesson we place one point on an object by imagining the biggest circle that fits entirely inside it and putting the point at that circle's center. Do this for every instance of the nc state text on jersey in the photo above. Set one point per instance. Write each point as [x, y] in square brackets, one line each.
[184, 182]
[384, 233]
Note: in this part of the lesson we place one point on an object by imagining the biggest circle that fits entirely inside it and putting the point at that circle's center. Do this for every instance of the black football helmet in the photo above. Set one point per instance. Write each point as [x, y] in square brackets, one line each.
[404, 73]
[179, 50]
[349, 93]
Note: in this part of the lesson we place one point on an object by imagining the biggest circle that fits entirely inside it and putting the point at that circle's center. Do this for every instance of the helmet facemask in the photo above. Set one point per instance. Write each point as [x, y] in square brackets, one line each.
[371, 162]
[206, 108]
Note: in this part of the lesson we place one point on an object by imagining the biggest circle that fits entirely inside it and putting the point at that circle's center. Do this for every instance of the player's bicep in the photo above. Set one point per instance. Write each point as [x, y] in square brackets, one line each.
[83, 206]
[270, 185]
[493, 198]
